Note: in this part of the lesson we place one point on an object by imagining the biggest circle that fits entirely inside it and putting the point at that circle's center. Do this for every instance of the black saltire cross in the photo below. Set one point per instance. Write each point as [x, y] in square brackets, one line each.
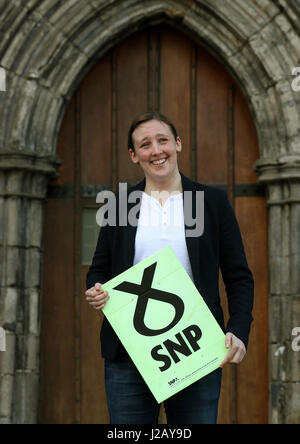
[146, 292]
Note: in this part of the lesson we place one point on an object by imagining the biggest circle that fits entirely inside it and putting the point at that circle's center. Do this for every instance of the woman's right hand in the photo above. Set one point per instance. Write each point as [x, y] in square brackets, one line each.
[96, 297]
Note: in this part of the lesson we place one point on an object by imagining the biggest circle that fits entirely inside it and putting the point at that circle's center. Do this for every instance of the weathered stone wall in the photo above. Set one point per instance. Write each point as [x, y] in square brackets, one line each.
[23, 184]
[46, 48]
[283, 201]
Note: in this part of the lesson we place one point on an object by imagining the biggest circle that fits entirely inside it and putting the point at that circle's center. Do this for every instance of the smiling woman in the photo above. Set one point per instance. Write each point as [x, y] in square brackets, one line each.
[153, 144]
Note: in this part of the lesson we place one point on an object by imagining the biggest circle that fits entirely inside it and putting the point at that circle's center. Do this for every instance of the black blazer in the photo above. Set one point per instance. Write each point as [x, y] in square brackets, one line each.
[219, 247]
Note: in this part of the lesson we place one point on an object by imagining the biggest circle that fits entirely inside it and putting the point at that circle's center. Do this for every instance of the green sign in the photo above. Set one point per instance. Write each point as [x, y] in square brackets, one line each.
[164, 324]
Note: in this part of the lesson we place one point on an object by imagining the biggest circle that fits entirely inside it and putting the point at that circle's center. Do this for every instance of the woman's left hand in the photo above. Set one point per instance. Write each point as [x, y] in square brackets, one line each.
[237, 350]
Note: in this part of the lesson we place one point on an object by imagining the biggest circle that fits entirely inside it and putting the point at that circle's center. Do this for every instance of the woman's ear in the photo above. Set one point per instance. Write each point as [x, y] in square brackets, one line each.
[178, 145]
[133, 156]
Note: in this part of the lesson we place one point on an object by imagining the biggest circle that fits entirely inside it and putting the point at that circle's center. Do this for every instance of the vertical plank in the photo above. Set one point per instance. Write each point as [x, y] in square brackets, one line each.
[194, 141]
[246, 143]
[212, 83]
[230, 142]
[77, 242]
[231, 370]
[153, 69]
[175, 100]
[114, 121]
[94, 161]
[252, 380]
[251, 212]
[57, 396]
[57, 377]
[65, 147]
[96, 124]
[93, 398]
[228, 403]
[131, 90]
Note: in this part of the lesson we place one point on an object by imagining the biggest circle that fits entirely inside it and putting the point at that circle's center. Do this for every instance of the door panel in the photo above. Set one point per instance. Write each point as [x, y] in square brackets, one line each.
[252, 373]
[93, 399]
[57, 401]
[175, 89]
[158, 69]
[96, 136]
[129, 74]
[213, 84]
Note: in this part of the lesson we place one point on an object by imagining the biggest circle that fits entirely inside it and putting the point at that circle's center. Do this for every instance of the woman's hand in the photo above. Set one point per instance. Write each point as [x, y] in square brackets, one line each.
[237, 352]
[96, 297]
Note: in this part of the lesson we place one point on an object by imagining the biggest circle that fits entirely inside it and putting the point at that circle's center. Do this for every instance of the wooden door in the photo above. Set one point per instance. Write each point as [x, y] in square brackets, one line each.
[159, 69]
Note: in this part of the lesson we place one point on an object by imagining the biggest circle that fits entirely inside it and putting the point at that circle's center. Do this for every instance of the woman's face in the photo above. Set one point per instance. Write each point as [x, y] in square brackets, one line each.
[155, 150]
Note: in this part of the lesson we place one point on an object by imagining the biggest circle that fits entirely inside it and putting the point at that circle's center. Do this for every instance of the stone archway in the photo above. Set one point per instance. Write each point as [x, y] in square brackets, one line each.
[47, 49]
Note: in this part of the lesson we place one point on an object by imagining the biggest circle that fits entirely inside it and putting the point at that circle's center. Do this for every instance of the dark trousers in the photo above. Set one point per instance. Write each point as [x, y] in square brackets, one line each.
[131, 402]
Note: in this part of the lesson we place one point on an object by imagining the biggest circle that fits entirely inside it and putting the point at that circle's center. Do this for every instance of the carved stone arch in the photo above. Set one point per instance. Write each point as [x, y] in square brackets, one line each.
[56, 43]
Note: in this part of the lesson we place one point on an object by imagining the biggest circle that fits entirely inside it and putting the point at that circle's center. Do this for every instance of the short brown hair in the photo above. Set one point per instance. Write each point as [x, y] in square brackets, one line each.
[145, 117]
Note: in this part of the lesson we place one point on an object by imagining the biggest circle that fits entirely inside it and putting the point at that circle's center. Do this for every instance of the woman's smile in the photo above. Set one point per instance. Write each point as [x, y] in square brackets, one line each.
[159, 162]
[156, 151]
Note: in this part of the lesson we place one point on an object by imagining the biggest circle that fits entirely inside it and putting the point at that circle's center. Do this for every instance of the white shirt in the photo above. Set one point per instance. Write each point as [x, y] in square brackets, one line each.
[160, 226]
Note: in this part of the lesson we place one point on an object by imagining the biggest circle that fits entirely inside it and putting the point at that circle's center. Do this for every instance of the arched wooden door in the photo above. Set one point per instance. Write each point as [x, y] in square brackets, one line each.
[158, 68]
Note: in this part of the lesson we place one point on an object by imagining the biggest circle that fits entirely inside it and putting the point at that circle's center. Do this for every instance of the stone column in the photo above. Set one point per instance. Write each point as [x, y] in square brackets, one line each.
[282, 181]
[23, 186]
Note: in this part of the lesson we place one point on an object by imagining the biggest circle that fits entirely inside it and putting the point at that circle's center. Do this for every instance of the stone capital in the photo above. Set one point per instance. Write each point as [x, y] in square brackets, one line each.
[25, 175]
[283, 168]
[281, 177]
[28, 161]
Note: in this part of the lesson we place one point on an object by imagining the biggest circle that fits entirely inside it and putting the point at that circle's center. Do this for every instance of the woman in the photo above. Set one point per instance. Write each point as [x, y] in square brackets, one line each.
[153, 143]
